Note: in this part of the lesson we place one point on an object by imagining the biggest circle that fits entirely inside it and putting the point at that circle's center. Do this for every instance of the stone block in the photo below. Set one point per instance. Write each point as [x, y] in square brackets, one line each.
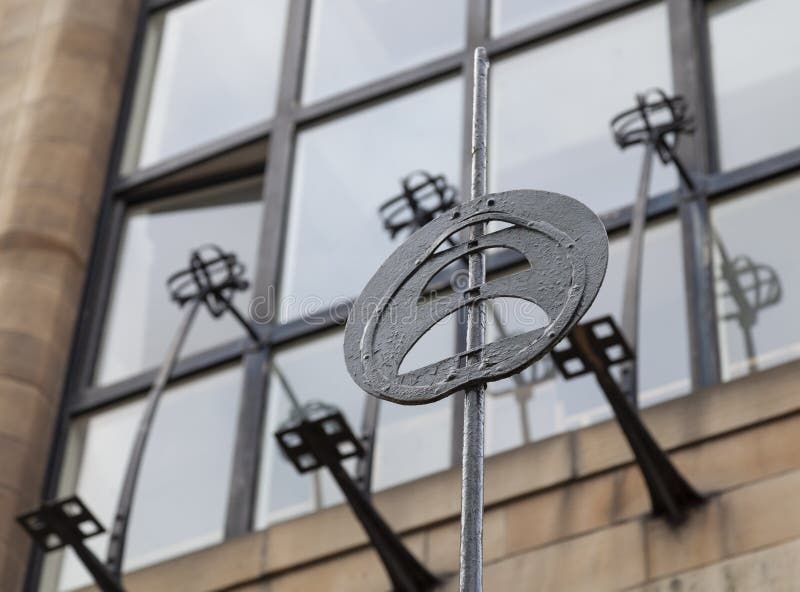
[775, 569]
[609, 559]
[528, 468]
[742, 457]
[761, 514]
[560, 513]
[697, 542]
[25, 414]
[216, 568]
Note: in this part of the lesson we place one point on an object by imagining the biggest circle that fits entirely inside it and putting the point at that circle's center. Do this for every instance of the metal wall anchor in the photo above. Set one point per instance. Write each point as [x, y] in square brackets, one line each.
[68, 522]
[595, 346]
[317, 435]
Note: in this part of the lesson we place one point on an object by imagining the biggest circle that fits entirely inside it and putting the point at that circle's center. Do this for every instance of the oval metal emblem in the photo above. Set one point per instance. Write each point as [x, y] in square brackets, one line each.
[565, 244]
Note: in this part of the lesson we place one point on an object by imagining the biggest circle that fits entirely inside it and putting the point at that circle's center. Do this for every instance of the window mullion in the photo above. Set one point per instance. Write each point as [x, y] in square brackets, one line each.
[688, 59]
[244, 474]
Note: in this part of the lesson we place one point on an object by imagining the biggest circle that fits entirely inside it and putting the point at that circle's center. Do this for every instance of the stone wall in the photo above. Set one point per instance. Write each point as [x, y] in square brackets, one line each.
[567, 513]
[62, 64]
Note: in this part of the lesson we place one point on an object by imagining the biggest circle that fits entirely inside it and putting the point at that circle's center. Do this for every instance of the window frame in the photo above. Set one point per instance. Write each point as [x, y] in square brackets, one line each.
[691, 66]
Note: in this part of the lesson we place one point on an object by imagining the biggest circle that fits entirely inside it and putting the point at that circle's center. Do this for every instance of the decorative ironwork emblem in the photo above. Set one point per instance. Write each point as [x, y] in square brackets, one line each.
[567, 248]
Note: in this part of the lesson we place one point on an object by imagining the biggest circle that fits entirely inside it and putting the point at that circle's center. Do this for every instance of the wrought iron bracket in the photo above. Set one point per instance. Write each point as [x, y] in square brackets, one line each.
[594, 347]
[318, 435]
[68, 522]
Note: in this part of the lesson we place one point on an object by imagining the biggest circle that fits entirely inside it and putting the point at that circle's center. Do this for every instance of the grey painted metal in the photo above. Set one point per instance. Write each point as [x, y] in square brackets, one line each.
[657, 121]
[565, 243]
[570, 249]
[369, 428]
[471, 551]
[119, 529]
[633, 278]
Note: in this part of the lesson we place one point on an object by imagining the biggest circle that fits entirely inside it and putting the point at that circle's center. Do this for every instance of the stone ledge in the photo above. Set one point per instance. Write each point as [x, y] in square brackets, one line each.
[775, 569]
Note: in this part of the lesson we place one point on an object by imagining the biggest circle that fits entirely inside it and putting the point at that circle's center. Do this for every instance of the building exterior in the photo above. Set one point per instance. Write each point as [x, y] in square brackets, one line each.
[135, 131]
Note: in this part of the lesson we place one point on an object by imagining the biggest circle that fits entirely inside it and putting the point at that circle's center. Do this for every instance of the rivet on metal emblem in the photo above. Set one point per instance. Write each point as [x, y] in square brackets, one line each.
[565, 244]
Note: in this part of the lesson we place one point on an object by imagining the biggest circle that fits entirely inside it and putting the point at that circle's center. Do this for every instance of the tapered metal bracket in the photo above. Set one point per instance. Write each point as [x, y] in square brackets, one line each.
[211, 279]
[595, 346]
[68, 522]
[317, 435]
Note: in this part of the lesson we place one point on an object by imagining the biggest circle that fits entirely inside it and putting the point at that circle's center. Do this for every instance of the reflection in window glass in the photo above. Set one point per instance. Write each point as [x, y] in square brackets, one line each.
[412, 441]
[214, 70]
[347, 168]
[157, 239]
[756, 77]
[352, 42]
[181, 496]
[551, 107]
[543, 404]
[509, 15]
[757, 298]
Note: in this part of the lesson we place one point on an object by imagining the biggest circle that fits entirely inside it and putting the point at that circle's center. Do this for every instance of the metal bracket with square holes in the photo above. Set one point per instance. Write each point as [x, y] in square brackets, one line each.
[317, 435]
[594, 347]
[68, 522]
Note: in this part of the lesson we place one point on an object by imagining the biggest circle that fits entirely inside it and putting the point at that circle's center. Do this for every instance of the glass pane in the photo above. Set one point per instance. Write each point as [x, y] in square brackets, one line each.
[141, 318]
[347, 168]
[509, 15]
[755, 49]
[352, 42]
[543, 404]
[182, 494]
[411, 442]
[551, 107]
[756, 265]
[210, 68]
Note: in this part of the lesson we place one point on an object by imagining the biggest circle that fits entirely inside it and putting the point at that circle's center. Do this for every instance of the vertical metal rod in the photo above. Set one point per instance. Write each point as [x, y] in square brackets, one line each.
[288, 389]
[633, 277]
[369, 425]
[471, 566]
[116, 544]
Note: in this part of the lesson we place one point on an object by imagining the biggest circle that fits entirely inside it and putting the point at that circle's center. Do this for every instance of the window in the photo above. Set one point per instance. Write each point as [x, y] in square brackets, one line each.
[344, 170]
[550, 108]
[510, 15]
[210, 68]
[316, 371]
[756, 266]
[352, 42]
[181, 496]
[156, 242]
[542, 404]
[756, 77]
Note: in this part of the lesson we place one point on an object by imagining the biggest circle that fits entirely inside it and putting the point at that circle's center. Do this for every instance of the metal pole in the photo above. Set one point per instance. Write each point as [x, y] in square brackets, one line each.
[633, 277]
[369, 425]
[116, 544]
[471, 568]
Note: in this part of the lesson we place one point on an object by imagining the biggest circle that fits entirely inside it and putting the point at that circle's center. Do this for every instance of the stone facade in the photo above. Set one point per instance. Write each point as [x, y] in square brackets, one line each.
[567, 513]
[62, 66]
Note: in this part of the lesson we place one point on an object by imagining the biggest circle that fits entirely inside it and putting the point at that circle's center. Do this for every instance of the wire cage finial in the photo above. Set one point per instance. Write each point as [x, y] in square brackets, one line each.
[213, 276]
